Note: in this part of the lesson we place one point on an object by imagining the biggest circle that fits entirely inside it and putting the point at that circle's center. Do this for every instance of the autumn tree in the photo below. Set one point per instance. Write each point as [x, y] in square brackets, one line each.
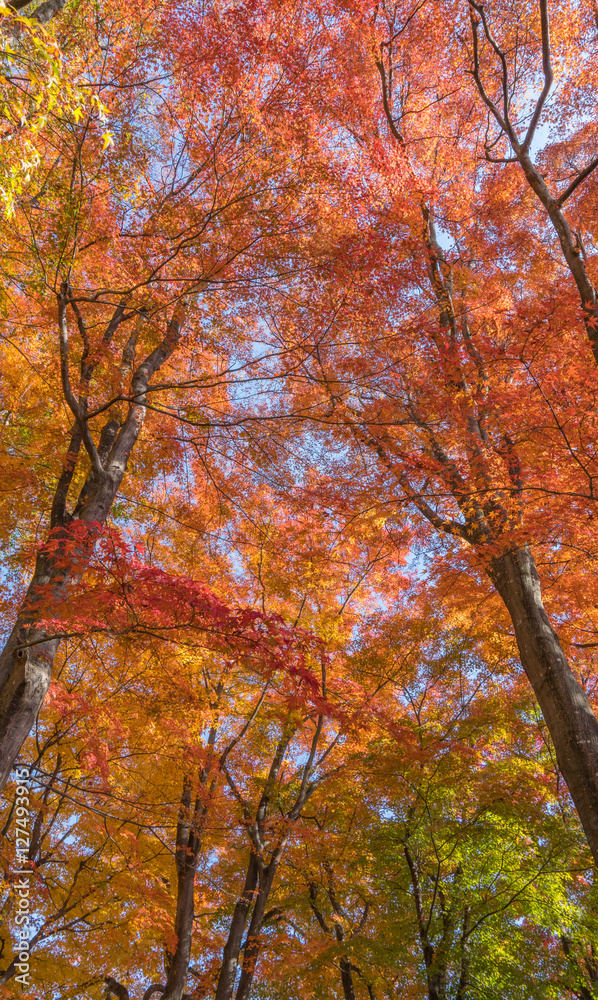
[423, 874]
[297, 303]
[122, 260]
[439, 344]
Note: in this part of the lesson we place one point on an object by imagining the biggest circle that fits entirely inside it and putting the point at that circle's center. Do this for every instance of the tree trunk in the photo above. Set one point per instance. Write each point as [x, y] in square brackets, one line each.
[232, 948]
[189, 833]
[565, 706]
[434, 976]
[347, 979]
[28, 656]
[26, 661]
[183, 925]
[254, 934]
[188, 845]
[254, 940]
[571, 251]
[463, 985]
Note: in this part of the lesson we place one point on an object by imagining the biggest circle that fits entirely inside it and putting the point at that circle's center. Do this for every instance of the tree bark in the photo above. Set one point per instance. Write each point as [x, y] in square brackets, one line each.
[565, 706]
[28, 656]
[188, 844]
[254, 939]
[572, 252]
[260, 876]
[435, 975]
[347, 979]
[232, 948]
[189, 836]
[114, 988]
[463, 984]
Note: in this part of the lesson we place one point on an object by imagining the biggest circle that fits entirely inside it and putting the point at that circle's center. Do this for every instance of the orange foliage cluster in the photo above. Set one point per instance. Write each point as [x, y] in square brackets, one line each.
[299, 345]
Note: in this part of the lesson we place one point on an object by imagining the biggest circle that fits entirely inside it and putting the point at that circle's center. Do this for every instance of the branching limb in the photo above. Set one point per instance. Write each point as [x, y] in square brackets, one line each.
[386, 98]
[313, 895]
[66, 383]
[154, 988]
[114, 988]
[233, 743]
[502, 119]
[548, 75]
[577, 181]
[129, 432]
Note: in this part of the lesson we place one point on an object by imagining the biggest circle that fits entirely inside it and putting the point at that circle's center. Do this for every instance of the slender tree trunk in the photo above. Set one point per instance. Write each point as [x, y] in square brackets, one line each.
[571, 251]
[463, 984]
[254, 934]
[188, 844]
[254, 943]
[260, 877]
[345, 962]
[428, 950]
[183, 926]
[189, 834]
[232, 948]
[565, 706]
[345, 967]
[347, 979]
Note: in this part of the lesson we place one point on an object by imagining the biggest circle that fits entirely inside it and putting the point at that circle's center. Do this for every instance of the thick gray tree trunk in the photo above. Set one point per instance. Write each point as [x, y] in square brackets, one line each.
[565, 706]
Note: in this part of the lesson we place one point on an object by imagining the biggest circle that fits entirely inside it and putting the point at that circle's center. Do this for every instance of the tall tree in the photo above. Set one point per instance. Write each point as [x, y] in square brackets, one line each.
[142, 230]
[425, 353]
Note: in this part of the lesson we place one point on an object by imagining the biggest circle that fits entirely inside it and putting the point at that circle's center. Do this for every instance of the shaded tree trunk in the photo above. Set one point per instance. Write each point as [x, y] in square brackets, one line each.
[260, 876]
[583, 977]
[571, 722]
[254, 942]
[188, 846]
[463, 984]
[434, 959]
[232, 948]
[572, 725]
[347, 979]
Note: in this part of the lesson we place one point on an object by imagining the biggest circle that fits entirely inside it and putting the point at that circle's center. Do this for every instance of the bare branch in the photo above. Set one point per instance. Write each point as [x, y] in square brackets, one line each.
[578, 180]
[115, 988]
[386, 98]
[246, 726]
[548, 75]
[502, 119]
[66, 383]
[129, 432]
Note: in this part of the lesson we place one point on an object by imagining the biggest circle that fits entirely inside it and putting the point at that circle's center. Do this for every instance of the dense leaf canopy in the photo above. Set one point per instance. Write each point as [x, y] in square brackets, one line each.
[298, 504]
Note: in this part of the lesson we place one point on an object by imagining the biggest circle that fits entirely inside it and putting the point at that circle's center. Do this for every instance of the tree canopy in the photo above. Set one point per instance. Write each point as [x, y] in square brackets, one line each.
[298, 503]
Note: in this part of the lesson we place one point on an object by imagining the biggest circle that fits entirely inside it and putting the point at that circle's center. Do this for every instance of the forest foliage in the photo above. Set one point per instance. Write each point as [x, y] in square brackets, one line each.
[298, 413]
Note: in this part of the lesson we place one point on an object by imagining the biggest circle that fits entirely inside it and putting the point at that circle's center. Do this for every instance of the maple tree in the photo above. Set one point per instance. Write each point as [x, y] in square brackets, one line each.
[126, 272]
[299, 411]
[423, 381]
[437, 731]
